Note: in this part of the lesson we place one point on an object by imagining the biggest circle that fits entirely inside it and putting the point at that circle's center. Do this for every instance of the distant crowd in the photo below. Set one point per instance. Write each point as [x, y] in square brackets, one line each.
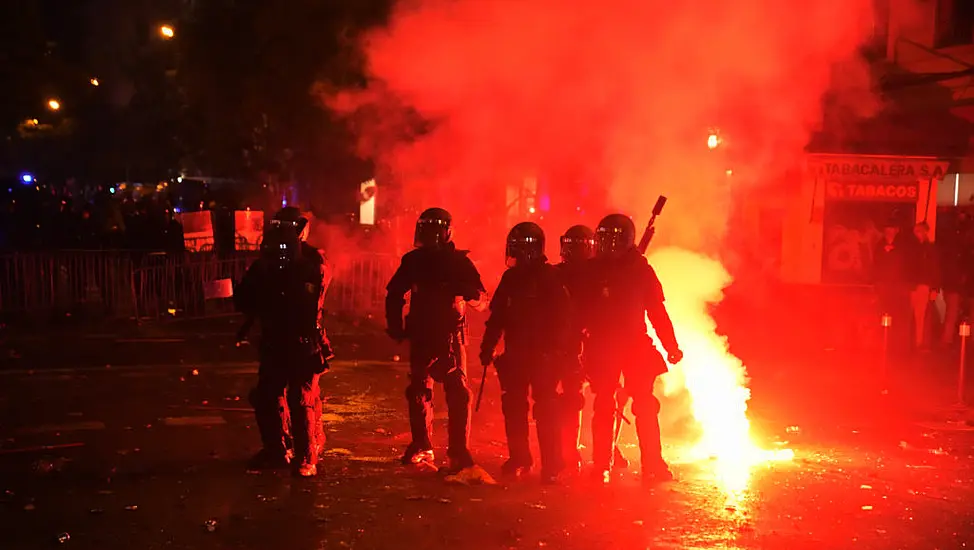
[911, 273]
[37, 217]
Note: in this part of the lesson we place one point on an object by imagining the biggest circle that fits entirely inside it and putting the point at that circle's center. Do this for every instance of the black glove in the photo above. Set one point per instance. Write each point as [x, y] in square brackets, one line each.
[674, 356]
[327, 353]
[486, 357]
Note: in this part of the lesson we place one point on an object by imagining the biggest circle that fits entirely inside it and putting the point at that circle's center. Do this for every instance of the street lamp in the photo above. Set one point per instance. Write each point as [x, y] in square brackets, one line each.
[167, 31]
[713, 140]
[53, 104]
[94, 82]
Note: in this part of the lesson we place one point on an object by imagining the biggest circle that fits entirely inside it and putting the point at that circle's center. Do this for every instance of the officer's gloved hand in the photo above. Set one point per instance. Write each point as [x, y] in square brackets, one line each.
[327, 352]
[396, 333]
[675, 356]
[486, 357]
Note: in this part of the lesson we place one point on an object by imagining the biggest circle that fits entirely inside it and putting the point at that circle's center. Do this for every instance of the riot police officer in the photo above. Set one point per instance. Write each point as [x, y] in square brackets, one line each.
[441, 280]
[531, 309]
[622, 289]
[284, 291]
[577, 247]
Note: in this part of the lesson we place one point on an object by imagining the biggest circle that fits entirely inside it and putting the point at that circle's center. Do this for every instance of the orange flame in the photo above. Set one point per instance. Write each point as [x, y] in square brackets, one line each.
[715, 380]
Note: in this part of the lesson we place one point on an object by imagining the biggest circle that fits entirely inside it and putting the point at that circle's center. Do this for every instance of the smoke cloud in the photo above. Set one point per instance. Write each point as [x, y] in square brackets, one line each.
[609, 104]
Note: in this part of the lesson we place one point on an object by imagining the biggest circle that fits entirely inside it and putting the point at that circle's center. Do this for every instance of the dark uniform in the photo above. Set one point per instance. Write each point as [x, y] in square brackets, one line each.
[439, 278]
[621, 290]
[284, 290]
[577, 247]
[532, 310]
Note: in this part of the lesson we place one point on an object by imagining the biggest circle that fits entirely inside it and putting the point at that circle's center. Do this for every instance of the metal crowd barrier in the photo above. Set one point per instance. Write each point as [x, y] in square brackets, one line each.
[122, 284]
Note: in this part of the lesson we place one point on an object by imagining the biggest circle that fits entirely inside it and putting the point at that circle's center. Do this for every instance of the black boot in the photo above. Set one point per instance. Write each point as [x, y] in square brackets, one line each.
[269, 460]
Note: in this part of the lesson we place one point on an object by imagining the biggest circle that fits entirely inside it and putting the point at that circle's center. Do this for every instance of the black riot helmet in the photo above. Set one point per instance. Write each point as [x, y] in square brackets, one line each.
[615, 234]
[281, 241]
[525, 244]
[577, 244]
[433, 228]
[290, 216]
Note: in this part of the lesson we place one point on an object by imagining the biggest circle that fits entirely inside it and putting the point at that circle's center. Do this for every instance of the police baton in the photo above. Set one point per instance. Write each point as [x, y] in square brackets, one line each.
[480, 392]
[651, 226]
[622, 399]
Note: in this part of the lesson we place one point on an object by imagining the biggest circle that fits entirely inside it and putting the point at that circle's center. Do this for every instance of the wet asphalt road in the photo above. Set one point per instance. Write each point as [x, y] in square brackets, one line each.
[152, 456]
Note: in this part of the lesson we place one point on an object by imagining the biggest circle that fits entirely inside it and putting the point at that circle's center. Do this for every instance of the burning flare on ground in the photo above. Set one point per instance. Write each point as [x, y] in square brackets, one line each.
[715, 380]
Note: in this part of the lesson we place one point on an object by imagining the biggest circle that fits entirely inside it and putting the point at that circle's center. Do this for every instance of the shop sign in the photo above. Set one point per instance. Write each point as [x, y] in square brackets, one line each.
[866, 168]
[886, 192]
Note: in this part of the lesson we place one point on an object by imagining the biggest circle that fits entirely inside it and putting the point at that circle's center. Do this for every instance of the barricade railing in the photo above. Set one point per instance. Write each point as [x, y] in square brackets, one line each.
[122, 284]
[65, 281]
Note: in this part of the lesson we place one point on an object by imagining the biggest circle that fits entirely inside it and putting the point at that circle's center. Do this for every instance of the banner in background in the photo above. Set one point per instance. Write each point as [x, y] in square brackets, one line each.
[197, 230]
[248, 227]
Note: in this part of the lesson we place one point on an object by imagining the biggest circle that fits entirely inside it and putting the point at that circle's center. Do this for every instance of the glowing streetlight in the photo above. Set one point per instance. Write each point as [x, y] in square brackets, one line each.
[167, 32]
[53, 104]
[713, 140]
[94, 82]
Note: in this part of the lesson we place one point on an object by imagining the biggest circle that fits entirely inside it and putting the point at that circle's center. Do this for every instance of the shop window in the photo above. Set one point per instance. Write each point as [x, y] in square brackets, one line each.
[852, 233]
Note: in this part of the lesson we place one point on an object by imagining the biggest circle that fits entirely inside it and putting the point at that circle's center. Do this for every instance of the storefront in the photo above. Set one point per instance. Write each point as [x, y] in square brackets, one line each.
[832, 227]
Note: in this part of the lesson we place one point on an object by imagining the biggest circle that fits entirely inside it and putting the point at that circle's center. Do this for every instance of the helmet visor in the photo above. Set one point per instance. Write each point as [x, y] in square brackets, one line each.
[577, 248]
[612, 240]
[431, 232]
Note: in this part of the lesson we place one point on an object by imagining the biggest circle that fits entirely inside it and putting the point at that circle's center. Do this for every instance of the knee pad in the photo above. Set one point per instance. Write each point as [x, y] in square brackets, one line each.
[460, 395]
[309, 399]
[645, 404]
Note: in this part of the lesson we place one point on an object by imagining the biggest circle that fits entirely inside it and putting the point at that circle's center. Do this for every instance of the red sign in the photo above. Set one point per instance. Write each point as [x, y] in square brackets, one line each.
[197, 230]
[880, 192]
[248, 226]
[844, 168]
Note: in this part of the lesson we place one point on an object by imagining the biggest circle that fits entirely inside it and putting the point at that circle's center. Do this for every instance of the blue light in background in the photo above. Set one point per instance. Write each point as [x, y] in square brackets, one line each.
[27, 178]
[111, 190]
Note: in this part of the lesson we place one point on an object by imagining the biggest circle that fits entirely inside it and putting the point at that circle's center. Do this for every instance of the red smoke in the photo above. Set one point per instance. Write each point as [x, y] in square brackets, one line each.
[607, 103]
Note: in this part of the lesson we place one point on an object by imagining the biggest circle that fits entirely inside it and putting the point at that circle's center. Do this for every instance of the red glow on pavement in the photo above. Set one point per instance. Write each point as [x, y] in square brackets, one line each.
[608, 105]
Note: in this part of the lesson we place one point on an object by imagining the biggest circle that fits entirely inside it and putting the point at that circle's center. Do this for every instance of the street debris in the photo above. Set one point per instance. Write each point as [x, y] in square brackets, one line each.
[474, 475]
